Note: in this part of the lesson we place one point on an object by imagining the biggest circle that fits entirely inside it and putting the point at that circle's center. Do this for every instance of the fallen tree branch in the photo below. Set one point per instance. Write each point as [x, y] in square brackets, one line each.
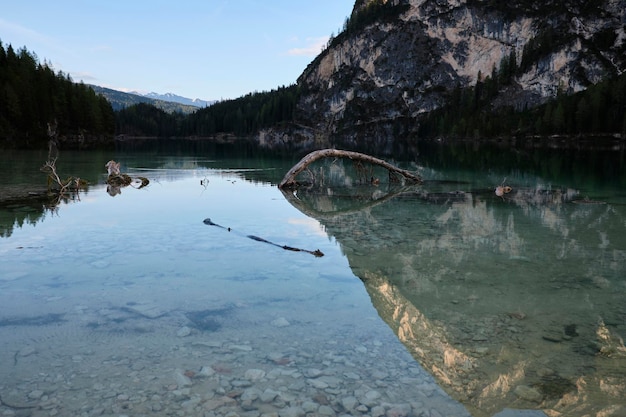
[317, 253]
[289, 181]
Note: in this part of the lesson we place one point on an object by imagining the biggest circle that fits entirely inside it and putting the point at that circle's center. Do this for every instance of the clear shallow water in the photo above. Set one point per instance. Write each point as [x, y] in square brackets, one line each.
[512, 302]
[131, 305]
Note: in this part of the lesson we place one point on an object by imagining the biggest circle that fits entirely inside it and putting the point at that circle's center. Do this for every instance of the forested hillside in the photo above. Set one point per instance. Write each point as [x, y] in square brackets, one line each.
[409, 71]
[469, 112]
[120, 100]
[243, 116]
[406, 70]
[398, 71]
[33, 96]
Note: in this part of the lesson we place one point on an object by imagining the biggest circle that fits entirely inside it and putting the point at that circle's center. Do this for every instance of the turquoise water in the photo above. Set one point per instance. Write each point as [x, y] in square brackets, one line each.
[132, 305]
[442, 299]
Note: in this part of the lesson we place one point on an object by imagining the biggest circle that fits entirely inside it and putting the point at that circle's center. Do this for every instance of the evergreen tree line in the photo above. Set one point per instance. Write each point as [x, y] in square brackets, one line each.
[145, 119]
[600, 109]
[32, 96]
[241, 116]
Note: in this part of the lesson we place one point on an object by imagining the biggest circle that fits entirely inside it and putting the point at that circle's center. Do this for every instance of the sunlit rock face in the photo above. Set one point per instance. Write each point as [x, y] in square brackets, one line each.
[510, 302]
[374, 82]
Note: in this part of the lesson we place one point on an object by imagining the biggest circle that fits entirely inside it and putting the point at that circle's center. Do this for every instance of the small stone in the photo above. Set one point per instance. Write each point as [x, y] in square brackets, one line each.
[280, 322]
[528, 393]
[291, 412]
[399, 410]
[601, 282]
[100, 264]
[312, 373]
[268, 395]
[151, 311]
[250, 408]
[317, 383]
[35, 394]
[552, 337]
[349, 403]
[206, 371]
[181, 379]
[241, 383]
[251, 394]
[218, 402]
[243, 348]
[372, 395]
[325, 410]
[378, 411]
[183, 331]
[371, 398]
[309, 407]
[26, 351]
[254, 374]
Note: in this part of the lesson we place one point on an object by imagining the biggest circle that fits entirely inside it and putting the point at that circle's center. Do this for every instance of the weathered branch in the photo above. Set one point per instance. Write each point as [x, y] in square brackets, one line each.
[289, 180]
[50, 167]
[317, 253]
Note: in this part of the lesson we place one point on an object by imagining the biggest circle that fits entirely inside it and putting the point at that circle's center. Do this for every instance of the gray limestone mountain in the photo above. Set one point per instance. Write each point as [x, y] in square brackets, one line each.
[399, 59]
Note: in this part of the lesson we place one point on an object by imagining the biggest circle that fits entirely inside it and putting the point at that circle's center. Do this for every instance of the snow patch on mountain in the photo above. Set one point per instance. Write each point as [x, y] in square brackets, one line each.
[177, 99]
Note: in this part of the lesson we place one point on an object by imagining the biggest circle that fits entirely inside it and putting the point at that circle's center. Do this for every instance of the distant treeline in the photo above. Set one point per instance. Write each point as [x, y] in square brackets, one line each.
[32, 96]
[241, 116]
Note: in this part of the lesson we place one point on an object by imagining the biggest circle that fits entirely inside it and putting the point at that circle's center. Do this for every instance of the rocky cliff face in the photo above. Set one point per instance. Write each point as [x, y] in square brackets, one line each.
[374, 81]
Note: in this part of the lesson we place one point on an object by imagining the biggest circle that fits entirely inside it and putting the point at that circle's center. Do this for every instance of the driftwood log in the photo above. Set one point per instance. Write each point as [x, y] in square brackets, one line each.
[317, 253]
[289, 180]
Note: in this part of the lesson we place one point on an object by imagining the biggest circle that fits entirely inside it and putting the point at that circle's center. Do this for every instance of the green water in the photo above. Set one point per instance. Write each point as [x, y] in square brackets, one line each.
[513, 301]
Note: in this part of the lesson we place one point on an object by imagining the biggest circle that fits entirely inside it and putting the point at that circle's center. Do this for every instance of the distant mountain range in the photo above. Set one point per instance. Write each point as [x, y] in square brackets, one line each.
[196, 102]
[167, 102]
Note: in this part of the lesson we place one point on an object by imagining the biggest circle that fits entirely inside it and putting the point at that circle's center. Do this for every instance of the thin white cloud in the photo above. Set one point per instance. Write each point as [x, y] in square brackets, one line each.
[313, 48]
[10, 29]
[83, 76]
[125, 90]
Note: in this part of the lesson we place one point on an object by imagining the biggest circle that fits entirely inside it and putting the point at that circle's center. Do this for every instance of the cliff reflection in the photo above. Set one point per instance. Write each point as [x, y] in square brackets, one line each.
[514, 302]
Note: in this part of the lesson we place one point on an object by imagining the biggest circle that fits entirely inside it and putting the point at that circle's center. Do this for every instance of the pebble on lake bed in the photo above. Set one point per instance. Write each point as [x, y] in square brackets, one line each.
[280, 322]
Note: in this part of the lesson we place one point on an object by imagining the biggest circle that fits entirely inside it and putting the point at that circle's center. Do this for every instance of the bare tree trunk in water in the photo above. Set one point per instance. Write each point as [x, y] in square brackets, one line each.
[289, 180]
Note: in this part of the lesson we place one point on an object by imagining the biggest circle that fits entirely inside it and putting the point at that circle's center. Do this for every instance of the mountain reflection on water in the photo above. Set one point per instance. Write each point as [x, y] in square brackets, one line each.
[514, 302]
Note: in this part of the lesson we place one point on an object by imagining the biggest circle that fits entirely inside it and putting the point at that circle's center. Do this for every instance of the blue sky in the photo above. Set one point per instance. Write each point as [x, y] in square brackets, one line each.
[210, 49]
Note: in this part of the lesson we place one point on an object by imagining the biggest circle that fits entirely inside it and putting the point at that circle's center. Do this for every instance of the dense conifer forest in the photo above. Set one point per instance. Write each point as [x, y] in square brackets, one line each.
[242, 116]
[598, 110]
[34, 97]
[468, 113]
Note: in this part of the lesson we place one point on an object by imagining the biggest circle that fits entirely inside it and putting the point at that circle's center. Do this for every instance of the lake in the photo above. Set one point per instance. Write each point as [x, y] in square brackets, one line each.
[204, 292]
